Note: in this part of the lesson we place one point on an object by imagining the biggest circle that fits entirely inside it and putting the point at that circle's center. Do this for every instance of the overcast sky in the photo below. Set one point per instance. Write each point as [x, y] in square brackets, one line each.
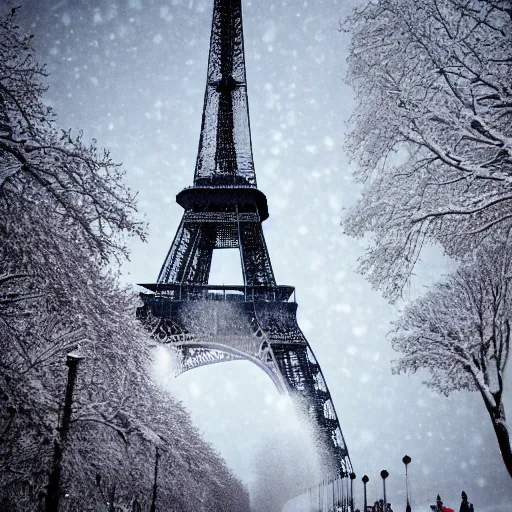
[131, 73]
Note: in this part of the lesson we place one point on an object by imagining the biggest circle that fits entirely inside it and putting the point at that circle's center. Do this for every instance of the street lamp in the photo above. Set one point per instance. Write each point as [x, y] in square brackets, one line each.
[384, 474]
[72, 360]
[406, 460]
[365, 480]
[352, 478]
[153, 500]
[59, 444]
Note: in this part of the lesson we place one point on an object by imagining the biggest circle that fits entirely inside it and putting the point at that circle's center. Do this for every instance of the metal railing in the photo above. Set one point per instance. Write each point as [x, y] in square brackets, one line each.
[235, 293]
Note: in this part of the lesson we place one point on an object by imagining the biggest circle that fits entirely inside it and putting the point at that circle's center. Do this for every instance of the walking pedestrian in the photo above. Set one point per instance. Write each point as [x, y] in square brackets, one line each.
[465, 506]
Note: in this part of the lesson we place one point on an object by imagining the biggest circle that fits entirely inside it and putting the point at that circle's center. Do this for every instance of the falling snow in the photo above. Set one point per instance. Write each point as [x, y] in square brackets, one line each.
[138, 89]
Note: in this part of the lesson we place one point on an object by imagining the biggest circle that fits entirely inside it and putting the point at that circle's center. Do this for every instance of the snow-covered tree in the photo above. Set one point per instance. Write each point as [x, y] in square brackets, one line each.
[432, 136]
[432, 130]
[65, 214]
[460, 333]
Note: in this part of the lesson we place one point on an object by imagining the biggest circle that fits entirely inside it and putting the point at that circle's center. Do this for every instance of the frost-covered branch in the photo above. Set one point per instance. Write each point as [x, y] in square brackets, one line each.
[432, 131]
[459, 332]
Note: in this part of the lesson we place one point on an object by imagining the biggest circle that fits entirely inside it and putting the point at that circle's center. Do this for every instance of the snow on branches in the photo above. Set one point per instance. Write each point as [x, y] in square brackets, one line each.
[44, 163]
[460, 333]
[460, 330]
[432, 130]
[432, 135]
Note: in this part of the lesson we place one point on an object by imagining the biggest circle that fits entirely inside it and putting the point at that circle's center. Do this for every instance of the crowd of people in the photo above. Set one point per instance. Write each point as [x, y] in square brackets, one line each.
[465, 506]
[378, 506]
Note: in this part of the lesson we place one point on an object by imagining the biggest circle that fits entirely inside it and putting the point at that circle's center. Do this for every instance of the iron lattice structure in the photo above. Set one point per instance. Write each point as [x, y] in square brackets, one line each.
[255, 321]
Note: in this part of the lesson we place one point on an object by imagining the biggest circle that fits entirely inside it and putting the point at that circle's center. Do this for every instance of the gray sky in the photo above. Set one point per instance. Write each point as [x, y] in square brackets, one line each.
[131, 73]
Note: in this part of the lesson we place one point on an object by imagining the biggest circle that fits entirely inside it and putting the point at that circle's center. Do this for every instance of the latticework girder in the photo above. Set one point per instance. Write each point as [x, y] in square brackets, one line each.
[225, 150]
[212, 324]
[255, 321]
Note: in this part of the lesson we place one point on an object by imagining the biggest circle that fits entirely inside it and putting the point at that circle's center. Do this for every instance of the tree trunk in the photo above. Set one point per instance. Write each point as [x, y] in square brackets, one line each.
[499, 423]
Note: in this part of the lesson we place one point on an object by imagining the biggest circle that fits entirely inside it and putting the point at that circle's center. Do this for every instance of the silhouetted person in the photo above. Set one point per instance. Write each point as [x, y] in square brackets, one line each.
[441, 507]
[465, 506]
[378, 506]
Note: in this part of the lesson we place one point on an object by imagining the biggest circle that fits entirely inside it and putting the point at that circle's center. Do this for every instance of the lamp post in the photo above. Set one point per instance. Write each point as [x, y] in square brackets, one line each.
[406, 460]
[384, 474]
[352, 478]
[153, 500]
[342, 490]
[347, 501]
[365, 480]
[53, 492]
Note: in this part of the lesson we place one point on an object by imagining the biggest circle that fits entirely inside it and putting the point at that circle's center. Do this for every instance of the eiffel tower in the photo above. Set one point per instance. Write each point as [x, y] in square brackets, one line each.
[256, 321]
